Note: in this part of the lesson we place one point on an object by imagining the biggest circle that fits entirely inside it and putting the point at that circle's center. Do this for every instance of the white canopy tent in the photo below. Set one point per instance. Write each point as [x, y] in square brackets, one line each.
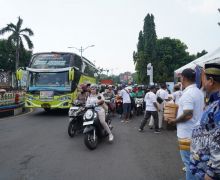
[212, 57]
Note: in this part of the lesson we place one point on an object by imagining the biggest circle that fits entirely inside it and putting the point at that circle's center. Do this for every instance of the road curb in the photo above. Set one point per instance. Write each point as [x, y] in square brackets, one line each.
[15, 112]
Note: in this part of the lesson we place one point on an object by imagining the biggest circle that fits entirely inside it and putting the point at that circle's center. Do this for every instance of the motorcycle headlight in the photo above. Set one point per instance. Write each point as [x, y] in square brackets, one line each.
[138, 101]
[88, 115]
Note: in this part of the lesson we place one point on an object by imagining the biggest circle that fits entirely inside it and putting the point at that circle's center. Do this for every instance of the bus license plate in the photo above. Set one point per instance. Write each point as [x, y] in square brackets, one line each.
[46, 94]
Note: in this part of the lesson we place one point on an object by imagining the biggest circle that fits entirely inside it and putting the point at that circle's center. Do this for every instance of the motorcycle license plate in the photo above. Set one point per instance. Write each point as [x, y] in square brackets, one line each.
[74, 108]
[87, 123]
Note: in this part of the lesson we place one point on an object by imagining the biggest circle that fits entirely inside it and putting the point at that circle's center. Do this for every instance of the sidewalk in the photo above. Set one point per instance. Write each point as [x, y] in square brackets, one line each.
[12, 110]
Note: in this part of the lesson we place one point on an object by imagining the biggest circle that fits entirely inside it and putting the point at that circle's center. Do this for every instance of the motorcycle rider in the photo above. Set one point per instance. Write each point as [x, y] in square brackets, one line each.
[97, 98]
[82, 95]
[140, 92]
[109, 94]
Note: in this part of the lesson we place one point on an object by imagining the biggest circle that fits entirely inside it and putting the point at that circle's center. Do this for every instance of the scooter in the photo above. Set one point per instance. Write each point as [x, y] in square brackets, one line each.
[76, 113]
[93, 130]
[139, 105]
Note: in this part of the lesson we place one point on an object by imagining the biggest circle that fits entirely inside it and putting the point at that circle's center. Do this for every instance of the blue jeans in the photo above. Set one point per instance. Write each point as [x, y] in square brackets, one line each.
[185, 156]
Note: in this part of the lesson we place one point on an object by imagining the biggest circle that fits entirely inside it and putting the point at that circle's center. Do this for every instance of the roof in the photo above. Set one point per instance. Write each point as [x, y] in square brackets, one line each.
[201, 61]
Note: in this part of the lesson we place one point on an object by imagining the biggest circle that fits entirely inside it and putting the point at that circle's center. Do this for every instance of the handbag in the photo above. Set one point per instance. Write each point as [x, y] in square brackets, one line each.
[159, 99]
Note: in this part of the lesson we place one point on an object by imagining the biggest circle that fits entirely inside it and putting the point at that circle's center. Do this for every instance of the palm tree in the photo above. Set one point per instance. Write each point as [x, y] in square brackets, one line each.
[17, 34]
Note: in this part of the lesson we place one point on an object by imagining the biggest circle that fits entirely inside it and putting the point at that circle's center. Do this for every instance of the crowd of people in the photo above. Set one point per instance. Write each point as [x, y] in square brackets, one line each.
[197, 121]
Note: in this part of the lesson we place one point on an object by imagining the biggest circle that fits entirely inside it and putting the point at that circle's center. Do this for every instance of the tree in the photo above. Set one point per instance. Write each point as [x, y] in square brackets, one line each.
[140, 46]
[166, 55]
[146, 49]
[17, 34]
[7, 56]
[171, 55]
[199, 54]
[150, 37]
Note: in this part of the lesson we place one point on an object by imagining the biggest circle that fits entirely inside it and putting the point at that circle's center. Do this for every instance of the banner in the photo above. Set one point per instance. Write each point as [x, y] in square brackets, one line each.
[5, 79]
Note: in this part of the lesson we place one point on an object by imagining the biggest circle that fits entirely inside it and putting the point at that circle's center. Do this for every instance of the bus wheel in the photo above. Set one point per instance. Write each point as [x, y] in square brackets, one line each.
[47, 109]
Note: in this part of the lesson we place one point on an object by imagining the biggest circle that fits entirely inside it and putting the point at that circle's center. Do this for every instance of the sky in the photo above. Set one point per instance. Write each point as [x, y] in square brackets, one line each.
[113, 26]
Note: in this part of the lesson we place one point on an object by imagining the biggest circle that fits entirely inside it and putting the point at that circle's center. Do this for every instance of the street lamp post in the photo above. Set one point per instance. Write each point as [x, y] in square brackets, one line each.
[81, 49]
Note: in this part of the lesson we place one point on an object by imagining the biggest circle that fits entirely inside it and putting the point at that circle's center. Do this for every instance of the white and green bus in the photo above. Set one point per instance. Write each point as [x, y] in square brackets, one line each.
[53, 79]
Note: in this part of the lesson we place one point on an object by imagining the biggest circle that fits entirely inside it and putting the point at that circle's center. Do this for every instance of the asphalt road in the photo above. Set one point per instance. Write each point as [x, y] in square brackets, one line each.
[36, 146]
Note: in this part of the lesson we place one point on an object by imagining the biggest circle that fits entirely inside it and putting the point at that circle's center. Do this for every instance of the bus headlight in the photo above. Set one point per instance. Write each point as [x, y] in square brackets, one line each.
[31, 98]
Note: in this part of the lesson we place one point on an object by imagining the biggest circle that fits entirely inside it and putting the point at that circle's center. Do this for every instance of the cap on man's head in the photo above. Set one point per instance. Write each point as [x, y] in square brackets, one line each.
[189, 73]
[212, 69]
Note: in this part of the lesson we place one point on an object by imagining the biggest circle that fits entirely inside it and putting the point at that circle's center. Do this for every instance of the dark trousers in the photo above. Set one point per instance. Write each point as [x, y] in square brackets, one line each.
[147, 116]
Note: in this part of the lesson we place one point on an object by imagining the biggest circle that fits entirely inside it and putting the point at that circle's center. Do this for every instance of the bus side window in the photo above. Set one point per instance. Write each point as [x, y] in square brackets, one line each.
[77, 62]
[89, 70]
[84, 67]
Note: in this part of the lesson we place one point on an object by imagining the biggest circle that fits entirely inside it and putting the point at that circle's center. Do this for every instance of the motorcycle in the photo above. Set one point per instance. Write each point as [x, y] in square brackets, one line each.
[139, 105]
[93, 130]
[76, 119]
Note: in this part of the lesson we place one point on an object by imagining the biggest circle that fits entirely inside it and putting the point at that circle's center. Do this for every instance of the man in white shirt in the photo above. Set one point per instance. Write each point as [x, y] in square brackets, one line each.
[151, 109]
[124, 93]
[177, 93]
[191, 105]
[163, 94]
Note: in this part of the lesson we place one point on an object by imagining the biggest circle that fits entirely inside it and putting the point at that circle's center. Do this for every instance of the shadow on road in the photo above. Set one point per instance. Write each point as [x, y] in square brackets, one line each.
[55, 112]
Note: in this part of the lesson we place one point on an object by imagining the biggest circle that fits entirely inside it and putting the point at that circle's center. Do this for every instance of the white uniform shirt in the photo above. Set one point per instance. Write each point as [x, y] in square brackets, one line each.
[150, 98]
[125, 96]
[191, 99]
[93, 99]
[162, 93]
[177, 95]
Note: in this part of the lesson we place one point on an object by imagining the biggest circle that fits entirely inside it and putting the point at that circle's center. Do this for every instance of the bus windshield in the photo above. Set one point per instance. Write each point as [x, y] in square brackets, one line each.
[58, 79]
[50, 61]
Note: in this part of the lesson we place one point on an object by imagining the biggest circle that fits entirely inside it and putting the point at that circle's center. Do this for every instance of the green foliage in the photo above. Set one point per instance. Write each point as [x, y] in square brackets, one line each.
[199, 54]
[115, 78]
[140, 46]
[135, 77]
[146, 49]
[166, 55]
[150, 38]
[7, 56]
[171, 55]
[16, 36]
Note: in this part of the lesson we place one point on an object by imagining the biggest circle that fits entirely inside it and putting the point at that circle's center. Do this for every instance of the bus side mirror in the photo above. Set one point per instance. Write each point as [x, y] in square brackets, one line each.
[71, 74]
[19, 74]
